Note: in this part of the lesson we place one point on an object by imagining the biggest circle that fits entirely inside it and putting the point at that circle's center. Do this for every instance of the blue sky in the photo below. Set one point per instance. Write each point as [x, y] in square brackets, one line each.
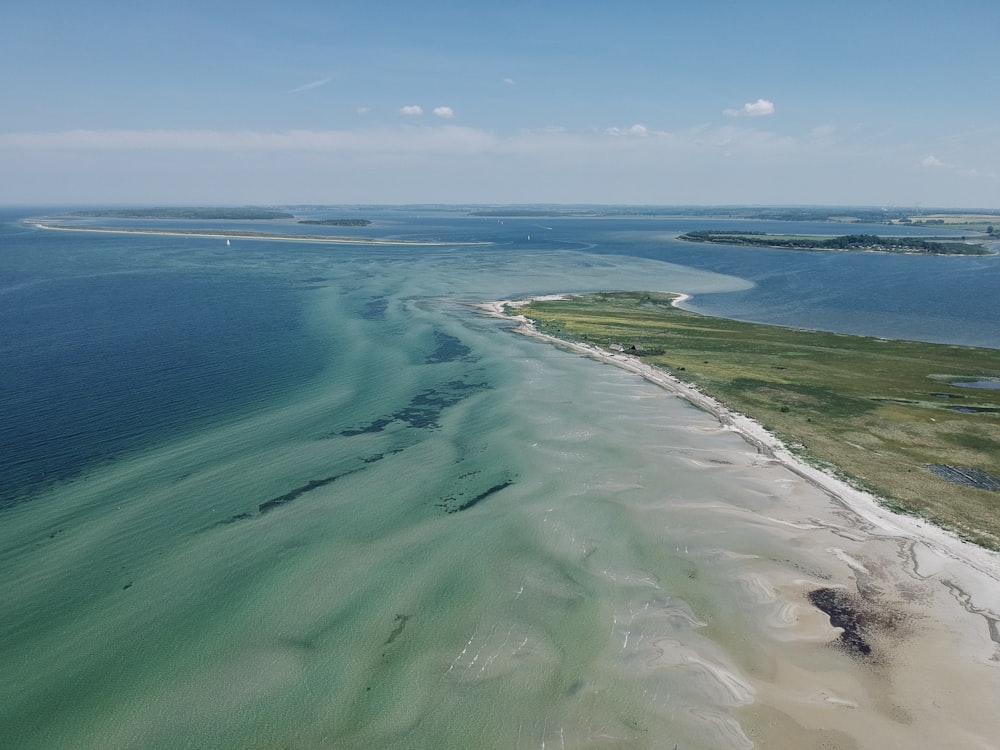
[881, 102]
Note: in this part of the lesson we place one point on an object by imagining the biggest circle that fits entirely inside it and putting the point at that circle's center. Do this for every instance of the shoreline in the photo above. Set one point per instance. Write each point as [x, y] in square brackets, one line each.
[970, 571]
[244, 235]
[750, 239]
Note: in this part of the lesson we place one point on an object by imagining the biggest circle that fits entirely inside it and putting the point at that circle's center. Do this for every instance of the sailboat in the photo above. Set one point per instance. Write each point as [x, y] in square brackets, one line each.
[227, 244]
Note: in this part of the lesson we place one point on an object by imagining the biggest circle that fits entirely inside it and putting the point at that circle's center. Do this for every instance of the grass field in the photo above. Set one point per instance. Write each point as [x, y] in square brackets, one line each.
[877, 412]
[969, 222]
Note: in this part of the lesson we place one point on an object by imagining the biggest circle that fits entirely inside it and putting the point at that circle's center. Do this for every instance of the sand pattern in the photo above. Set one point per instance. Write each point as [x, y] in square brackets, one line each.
[451, 536]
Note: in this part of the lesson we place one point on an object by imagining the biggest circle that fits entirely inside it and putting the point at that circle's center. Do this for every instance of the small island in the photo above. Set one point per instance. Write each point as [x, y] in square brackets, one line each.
[336, 222]
[849, 242]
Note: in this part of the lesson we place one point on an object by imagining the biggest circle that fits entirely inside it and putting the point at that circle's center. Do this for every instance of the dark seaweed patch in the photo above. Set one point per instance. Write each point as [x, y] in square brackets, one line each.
[575, 688]
[240, 517]
[288, 497]
[860, 619]
[375, 308]
[400, 624]
[447, 349]
[377, 426]
[843, 610]
[423, 410]
[454, 503]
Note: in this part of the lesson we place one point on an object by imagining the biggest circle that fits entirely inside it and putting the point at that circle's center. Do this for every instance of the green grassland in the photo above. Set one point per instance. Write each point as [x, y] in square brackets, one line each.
[875, 411]
[967, 222]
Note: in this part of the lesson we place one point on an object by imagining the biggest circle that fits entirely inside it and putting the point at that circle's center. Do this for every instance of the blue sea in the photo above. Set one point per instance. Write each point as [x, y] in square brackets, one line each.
[294, 494]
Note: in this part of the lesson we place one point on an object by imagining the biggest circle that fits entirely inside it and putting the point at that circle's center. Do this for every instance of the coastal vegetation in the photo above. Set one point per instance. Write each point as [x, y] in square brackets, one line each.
[982, 222]
[336, 222]
[849, 242]
[975, 221]
[897, 418]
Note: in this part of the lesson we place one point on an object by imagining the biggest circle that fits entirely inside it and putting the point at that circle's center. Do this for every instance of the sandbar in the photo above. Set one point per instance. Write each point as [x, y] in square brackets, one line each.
[246, 235]
[936, 675]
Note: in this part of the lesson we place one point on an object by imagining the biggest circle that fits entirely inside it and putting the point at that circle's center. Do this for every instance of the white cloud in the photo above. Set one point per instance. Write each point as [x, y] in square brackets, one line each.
[362, 110]
[311, 85]
[759, 108]
[445, 112]
[439, 138]
[412, 110]
[416, 139]
[509, 81]
[418, 159]
[932, 162]
[640, 131]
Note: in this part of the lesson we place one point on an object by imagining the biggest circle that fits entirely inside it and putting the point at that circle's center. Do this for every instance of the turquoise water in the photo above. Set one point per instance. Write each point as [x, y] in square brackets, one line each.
[289, 495]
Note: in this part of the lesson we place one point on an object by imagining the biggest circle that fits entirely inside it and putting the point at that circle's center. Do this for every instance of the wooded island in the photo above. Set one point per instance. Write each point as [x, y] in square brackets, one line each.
[849, 242]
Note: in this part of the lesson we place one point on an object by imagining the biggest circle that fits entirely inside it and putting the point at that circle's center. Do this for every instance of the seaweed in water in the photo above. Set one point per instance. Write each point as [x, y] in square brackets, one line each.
[288, 497]
[447, 349]
[450, 506]
[295, 494]
[375, 308]
[400, 624]
[423, 409]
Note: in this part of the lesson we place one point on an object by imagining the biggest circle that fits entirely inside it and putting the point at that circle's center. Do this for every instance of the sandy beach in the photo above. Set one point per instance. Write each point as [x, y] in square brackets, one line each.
[926, 603]
[222, 234]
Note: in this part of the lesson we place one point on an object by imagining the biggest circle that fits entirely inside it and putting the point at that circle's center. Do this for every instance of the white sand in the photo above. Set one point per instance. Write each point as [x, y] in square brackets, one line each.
[938, 681]
[222, 234]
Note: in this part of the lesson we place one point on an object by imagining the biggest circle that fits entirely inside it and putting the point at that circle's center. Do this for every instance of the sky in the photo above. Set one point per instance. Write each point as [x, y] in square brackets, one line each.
[763, 102]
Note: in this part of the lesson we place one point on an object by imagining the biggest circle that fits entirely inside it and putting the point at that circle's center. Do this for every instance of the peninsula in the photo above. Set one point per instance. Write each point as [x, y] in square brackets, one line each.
[250, 235]
[244, 213]
[849, 242]
[914, 424]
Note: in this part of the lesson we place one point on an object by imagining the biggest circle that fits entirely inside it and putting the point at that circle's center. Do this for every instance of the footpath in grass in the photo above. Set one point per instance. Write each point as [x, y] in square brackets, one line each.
[917, 424]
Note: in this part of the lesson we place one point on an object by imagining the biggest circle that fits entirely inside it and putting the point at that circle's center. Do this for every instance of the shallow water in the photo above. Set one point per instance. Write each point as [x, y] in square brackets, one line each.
[416, 529]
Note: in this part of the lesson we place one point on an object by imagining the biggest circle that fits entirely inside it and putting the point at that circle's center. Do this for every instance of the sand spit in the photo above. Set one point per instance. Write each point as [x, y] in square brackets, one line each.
[236, 234]
[858, 501]
[915, 607]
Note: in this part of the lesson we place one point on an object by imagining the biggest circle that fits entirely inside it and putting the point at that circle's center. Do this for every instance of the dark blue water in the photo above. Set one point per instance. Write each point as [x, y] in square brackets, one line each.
[115, 342]
[109, 344]
[946, 299]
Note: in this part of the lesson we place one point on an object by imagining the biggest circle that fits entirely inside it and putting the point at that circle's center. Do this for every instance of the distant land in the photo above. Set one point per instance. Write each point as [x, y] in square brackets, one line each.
[977, 220]
[973, 220]
[244, 234]
[849, 243]
[248, 213]
[336, 222]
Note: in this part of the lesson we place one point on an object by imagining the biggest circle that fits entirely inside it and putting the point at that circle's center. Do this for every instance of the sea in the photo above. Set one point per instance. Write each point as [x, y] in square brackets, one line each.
[291, 494]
